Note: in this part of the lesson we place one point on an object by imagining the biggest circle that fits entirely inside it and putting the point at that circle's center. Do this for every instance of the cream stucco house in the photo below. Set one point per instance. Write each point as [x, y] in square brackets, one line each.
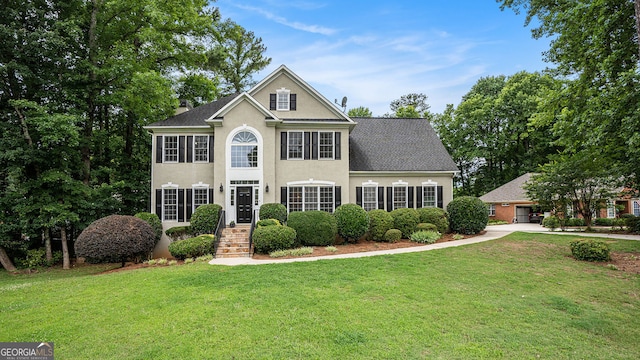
[282, 141]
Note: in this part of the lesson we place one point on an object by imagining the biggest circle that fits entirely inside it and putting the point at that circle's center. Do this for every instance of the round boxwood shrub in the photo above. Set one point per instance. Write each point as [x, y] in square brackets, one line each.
[154, 221]
[272, 238]
[467, 215]
[632, 223]
[392, 235]
[379, 222]
[268, 222]
[116, 238]
[352, 221]
[273, 211]
[435, 216]
[426, 227]
[205, 219]
[590, 250]
[313, 228]
[406, 221]
[551, 222]
[193, 247]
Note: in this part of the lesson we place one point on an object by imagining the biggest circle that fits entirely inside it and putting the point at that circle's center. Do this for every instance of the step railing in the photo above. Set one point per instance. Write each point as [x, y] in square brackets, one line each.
[254, 220]
[222, 223]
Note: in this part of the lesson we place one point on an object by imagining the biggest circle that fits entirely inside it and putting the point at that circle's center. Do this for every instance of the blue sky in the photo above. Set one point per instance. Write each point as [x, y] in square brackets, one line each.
[376, 51]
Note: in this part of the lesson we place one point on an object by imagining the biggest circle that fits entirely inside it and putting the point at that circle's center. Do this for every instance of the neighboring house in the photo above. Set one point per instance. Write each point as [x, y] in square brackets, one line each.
[282, 141]
[510, 203]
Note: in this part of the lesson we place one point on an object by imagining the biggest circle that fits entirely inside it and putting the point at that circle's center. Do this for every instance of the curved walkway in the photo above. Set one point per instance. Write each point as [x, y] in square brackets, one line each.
[492, 232]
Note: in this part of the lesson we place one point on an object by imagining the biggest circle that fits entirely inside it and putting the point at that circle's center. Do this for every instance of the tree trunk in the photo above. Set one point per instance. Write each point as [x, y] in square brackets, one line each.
[6, 261]
[65, 249]
[46, 236]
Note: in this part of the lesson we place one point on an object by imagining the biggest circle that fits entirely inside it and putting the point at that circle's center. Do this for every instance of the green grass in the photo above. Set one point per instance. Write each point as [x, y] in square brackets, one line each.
[520, 297]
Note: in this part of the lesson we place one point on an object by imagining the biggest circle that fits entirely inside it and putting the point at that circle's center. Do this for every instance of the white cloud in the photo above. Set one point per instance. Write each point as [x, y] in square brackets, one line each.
[316, 29]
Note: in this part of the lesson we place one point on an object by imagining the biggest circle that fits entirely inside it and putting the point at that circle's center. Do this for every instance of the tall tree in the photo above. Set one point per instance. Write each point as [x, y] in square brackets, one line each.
[238, 55]
[360, 111]
[411, 105]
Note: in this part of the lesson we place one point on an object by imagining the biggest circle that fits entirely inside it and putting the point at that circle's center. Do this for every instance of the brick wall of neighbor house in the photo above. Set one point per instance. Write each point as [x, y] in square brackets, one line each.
[504, 213]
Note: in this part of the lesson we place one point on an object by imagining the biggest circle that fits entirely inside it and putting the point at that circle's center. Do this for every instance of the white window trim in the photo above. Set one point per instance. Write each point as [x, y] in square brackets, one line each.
[312, 183]
[206, 149]
[288, 94]
[492, 209]
[400, 184]
[333, 146]
[636, 205]
[288, 143]
[231, 144]
[434, 185]
[199, 185]
[169, 186]
[164, 149]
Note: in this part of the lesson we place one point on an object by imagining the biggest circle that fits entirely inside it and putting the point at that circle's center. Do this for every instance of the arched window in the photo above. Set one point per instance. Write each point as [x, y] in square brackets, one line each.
[244, 150]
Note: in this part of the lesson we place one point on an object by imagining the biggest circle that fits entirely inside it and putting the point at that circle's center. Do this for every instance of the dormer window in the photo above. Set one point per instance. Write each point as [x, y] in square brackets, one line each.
[282, 100]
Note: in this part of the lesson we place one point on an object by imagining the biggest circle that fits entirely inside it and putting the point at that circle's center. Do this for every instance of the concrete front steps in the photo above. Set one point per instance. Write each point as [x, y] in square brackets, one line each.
[234, 242]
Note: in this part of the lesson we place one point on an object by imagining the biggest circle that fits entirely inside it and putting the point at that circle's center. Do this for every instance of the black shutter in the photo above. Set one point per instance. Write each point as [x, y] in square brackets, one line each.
[418, 197]
[337, 145]
[181, 147]
[314, 145]
[381, 197]
[189, 203]
[410, 197]
[283, 145]
[272, 101]
[211, 195]
[292, 102]
[283, 196]
[439, 196]
[159, 203]
[338, 196]
[389, 198]
[210, 148]
[180, 205]
[189, 149]
[307, 145]
[159, 144]
[359, 195]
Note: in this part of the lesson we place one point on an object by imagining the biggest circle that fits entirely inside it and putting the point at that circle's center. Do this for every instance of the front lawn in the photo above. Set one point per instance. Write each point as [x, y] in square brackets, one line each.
[520, 297]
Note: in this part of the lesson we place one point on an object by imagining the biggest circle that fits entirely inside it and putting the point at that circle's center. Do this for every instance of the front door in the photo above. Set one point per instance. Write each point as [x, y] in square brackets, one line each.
[244, 203]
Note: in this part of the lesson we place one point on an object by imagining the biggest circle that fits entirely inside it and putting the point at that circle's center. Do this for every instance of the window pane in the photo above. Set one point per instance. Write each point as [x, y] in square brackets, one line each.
[326, 199]
[245, 137]
[429, 196]
[283, 100]
[170, 148]
[636, 208]
[200, 197]
[295, 140]
[201, 148]
[310, 198]
[244, 156]
[295, 198]
[369, 198]
[399, 197]
[326, 145]
[170, 204]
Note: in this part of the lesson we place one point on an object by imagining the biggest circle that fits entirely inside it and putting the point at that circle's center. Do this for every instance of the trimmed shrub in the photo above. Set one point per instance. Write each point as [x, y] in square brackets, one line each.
[352, 221]
[574, 222]
[154, 221]
[426, 227]
[435, 216]
[205, 219]
[425, 237]
[603, 222]
[313, 228]
[274, 211]
[272, 238]
[467, 215]
[268, 222]
[551, 222]
[179, 232]
[632, 223]
[393, 235]
[116, 238]
[192, 247]
[379, 222]
[406, 221]
[590, 250]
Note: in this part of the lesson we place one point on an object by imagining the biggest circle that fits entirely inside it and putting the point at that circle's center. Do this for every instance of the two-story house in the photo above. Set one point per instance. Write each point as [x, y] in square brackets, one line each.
[282, 141]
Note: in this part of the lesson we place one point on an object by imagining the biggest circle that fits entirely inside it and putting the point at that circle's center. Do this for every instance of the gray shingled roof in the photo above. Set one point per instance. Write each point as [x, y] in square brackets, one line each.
[509, 192]
[197, 115]
[390, 144]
